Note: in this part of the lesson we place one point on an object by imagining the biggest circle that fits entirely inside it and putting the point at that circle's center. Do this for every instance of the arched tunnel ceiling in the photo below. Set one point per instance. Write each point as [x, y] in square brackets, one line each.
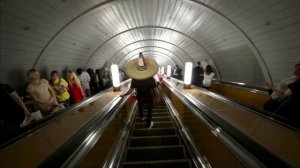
[244, 41]
[153, 42]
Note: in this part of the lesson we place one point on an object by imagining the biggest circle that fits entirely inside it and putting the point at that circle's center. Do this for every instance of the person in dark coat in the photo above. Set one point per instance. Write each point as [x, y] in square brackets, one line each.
[197, 75]
[142, 70]
[290, 108]
[277, 93]
[12, 113]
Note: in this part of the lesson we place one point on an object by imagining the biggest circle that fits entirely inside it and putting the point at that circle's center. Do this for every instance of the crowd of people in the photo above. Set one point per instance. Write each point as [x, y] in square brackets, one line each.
[202, 78]
[46, 96]
[58, 91]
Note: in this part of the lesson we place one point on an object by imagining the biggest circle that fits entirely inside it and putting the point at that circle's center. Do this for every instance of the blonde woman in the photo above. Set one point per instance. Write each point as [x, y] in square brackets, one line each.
[42, 93]
[75, 88]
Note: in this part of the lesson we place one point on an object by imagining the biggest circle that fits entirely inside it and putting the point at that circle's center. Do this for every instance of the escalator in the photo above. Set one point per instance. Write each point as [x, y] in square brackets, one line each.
[160, 146]
[117, 137]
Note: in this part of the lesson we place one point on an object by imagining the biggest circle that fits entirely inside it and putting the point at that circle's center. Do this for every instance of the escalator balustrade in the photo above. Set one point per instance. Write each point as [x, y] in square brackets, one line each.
[160, 146]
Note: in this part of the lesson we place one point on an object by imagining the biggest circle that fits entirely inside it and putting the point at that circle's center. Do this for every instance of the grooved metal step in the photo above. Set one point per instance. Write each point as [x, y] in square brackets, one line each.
[155, 153]
[178, 163]
[157, 114]
[153, 132]
[154, 141]
[154, 118]
[158, 147]
[162, 124]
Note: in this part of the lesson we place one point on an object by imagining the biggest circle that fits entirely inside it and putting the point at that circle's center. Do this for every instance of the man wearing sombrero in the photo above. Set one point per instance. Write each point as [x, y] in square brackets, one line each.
[142, 70]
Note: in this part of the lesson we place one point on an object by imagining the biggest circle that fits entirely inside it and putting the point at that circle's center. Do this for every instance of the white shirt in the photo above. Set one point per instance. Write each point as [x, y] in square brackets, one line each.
[207, 79]
[283, 86]
[85, 80]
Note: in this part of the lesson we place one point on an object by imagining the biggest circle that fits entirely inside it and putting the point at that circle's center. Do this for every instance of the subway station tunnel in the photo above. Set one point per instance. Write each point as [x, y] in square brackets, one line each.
[247, 43]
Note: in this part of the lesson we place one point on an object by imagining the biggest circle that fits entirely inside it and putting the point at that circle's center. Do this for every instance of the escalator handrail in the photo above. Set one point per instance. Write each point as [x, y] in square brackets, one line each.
[54, 116]
[198, 158]
[267, 115]
[242, 153]
[115, 156]
[74, 149]
[244, 86]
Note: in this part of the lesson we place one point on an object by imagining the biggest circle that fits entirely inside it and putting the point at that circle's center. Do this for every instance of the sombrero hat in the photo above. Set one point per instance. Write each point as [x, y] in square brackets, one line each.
[141, 68]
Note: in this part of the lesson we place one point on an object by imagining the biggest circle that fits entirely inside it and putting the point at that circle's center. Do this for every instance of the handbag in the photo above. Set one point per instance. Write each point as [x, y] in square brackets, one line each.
[155, 94]
[35, 116]
[58, 107]
[133, 95]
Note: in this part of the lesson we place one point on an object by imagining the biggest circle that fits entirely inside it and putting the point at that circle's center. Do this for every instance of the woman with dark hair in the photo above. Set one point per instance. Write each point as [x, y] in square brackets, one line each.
[94, 82]
[100, 81]
[208, 76]
[60, 87]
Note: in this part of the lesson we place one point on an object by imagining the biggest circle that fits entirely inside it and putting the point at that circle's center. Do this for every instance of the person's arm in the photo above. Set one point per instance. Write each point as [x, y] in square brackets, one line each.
[288, 93]
[82, 91]
[274, 89]
[64, 85]
[212, 75]
[14, 95]
[53, 96]
[155, 92]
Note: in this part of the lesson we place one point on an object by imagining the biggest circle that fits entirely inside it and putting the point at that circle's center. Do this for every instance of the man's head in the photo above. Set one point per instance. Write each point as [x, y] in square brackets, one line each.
[79, 71]
[297, 70]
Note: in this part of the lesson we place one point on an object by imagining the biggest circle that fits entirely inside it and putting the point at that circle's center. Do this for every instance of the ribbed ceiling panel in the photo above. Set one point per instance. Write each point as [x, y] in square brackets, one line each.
[259, 39]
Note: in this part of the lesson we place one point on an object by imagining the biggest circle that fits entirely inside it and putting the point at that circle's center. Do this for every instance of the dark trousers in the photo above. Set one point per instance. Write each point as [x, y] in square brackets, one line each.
[149, 104]
[271, 105]
[290, 109]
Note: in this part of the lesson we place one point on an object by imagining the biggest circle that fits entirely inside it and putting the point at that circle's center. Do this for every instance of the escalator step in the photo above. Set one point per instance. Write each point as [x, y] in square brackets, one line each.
[157, 114]
[154, 132]
[178, 163]
[154, 118]
[159, 108]
[163, 124]
[154, 141]
[155, 153]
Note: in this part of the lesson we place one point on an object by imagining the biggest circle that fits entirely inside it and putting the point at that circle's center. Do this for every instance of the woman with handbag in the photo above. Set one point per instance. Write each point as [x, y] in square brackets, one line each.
[60, 87]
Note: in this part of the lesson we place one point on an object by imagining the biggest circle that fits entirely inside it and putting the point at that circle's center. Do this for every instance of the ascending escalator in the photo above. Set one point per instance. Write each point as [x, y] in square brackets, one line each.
[160, 146]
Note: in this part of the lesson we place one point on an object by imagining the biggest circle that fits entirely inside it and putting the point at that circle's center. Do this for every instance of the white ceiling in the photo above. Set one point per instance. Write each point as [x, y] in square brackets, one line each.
[245, 41]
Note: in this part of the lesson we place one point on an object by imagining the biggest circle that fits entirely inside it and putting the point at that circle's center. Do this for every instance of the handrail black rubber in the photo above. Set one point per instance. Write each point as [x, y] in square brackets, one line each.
[54, 116]
[267, 115]
[197, 157]
[221, 126]
[76, 147]
[115, 156]
[237, 84]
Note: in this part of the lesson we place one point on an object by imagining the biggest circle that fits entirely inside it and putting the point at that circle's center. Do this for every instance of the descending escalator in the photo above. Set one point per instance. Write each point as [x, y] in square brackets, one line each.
[160, 146]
